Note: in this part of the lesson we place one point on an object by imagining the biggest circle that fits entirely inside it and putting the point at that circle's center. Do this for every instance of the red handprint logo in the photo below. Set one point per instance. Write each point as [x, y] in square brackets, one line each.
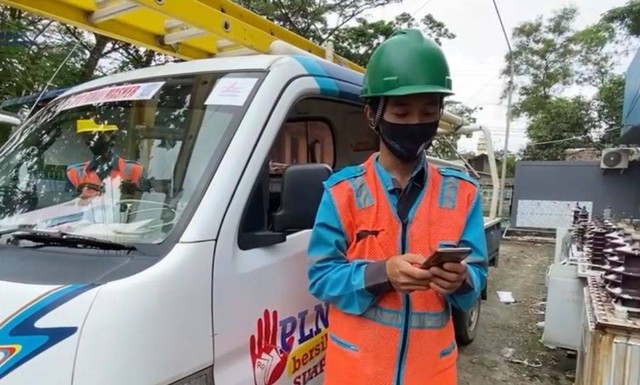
[269, 360]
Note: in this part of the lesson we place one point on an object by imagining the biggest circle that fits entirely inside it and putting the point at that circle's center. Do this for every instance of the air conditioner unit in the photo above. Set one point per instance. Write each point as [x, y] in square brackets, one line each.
[615, 158]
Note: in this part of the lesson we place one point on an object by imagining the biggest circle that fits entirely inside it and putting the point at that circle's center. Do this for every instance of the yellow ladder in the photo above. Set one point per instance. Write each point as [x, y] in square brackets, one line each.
[188, 29]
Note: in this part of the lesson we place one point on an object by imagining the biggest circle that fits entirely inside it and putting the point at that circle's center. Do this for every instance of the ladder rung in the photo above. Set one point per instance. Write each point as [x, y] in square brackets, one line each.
[224, 43]
[110, 9]
[182, 35]
[236, 52]
[170, 24]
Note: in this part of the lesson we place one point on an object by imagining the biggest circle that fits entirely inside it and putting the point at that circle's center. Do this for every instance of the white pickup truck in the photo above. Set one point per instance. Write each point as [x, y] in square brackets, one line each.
[199, 275]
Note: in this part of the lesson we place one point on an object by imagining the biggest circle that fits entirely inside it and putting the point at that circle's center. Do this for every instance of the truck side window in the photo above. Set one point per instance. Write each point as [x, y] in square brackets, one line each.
[299, 141]
[316, 130]
[302, 141]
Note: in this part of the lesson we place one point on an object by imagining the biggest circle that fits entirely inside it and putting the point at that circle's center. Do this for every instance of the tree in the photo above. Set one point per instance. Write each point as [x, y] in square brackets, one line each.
[542, 53]
[354, 36]
[595, 54]
[549, 57]
[358, 42]
[564, 123]
[33, 49]
[608, 105]
[37, 51]
[626, 17]
[511, 162]
[445, 147]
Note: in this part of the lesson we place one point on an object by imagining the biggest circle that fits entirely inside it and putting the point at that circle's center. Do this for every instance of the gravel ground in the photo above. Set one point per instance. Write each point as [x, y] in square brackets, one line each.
[514, 327]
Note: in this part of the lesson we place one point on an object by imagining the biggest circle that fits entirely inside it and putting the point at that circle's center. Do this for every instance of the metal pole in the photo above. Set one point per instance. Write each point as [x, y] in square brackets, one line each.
[509, 95]
[505, 152]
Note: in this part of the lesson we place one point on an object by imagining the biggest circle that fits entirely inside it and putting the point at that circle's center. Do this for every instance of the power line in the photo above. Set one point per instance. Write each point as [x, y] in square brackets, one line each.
[483, 87]
[571, 138]
[422, 6]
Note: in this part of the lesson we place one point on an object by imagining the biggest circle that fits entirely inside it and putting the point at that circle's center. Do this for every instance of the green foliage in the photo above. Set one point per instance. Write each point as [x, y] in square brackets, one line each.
[358, 42]
[355, 37]
[33, 49]
[608, 107]
[550, 57]
[444, 147]
[626, 17]
[564, 123]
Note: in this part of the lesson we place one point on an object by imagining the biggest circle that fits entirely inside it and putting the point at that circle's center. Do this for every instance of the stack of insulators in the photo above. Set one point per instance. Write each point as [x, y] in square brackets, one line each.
[575, 222]
[596, 243]
[576, 214]
[627, 294]
[581, 230]
[615, 239]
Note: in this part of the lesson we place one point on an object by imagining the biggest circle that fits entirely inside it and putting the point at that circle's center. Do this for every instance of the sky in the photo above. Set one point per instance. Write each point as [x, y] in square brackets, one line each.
[476, 55]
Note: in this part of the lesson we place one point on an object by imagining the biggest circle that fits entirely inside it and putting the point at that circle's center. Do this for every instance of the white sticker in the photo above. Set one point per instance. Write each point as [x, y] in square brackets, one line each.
[141, 91]
[231, 91]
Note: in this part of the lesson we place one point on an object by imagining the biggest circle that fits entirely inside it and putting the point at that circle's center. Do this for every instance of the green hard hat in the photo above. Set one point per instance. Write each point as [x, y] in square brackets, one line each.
[407, 63]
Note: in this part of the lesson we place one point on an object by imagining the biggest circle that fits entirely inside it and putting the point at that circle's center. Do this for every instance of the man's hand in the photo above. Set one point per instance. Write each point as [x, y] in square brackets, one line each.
[87, 193]
[405, 276]
[449, 278]
[128, 187]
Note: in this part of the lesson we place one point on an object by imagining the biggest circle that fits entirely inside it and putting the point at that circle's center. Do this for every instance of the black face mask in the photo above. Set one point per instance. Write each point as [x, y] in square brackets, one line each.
[407, 141]
[100, 146]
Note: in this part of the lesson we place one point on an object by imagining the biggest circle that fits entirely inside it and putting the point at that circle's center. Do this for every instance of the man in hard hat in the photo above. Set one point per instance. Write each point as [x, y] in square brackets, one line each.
[389, 319]
[87, 177]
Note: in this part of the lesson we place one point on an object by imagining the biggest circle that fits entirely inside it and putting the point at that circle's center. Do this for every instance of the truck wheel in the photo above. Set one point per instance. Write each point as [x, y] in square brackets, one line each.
[466, 324]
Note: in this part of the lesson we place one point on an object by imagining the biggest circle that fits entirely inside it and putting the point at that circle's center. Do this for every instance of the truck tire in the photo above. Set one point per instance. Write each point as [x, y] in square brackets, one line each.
[466, 324]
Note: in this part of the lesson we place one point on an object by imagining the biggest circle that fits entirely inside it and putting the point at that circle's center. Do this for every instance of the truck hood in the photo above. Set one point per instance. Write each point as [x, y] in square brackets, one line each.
[39, 331]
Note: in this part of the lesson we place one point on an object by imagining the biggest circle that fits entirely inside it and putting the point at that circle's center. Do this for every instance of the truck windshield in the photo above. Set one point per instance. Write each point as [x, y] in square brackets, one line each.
[119, 162]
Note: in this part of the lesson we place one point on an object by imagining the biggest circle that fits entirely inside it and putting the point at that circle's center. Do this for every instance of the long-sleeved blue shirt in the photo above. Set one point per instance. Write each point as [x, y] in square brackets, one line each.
[353, 286]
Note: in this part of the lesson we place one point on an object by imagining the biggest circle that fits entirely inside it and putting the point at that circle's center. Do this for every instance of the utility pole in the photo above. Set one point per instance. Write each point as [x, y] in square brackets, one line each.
[508, 126]
[505, 152]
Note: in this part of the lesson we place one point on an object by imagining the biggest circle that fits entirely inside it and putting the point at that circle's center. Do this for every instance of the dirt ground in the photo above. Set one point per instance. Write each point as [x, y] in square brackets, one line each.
[522, 271]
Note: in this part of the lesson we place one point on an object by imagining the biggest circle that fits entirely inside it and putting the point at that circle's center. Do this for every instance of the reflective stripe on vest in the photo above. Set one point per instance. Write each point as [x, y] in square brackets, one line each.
[128, 171]
[403, 339]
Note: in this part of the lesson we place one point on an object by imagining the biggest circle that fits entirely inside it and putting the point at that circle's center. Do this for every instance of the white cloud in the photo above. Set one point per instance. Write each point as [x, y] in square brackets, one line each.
[476, 56]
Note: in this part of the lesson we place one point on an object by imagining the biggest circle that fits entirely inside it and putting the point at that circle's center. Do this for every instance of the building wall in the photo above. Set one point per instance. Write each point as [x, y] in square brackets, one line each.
[546, 192]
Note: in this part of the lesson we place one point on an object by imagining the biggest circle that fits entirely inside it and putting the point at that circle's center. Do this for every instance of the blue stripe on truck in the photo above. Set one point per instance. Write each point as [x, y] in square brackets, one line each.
[333, 80]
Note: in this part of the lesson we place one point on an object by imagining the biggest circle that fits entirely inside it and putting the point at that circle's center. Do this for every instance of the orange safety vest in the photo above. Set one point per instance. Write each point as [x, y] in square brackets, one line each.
[403, 339]
[128, 171]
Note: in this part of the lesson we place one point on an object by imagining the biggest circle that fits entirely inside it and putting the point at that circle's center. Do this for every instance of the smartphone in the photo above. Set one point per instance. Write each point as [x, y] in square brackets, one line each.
[448, 254]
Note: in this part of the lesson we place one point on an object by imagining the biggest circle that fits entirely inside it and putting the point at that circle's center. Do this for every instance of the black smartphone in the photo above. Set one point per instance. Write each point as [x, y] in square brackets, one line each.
[448, 254]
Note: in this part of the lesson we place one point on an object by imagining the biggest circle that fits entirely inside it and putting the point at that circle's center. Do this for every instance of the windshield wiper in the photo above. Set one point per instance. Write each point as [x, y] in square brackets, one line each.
[61, 238]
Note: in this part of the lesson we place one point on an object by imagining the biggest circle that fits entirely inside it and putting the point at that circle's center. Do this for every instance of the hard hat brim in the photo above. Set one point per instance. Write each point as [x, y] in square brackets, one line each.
[97, 129]
[411, 90]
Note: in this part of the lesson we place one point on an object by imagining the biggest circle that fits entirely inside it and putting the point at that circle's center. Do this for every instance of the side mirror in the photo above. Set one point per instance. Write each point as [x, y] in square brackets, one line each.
[302, 191]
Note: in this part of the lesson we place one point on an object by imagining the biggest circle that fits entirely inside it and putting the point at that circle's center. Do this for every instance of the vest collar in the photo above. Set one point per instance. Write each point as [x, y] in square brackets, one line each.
[419, 175]
[113, 164]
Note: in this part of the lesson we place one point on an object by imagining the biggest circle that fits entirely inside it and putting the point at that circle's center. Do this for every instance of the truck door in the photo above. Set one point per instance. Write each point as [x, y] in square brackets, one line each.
[268, 329]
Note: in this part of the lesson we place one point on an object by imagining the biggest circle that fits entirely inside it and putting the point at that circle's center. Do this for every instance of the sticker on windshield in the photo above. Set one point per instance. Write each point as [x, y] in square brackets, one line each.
[231, 91]
[141, 91]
